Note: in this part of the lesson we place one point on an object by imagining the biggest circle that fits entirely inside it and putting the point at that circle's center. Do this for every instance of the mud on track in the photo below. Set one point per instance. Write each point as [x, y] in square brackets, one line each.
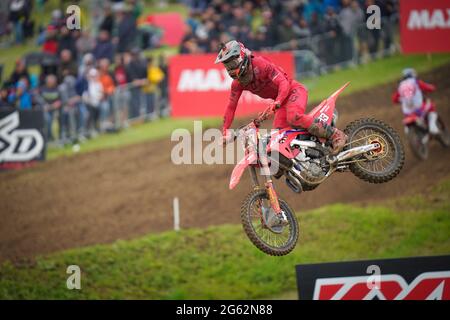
[107, 195]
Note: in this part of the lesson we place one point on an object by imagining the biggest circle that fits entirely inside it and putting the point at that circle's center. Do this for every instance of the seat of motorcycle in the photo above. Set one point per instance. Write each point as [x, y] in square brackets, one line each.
[303, 134]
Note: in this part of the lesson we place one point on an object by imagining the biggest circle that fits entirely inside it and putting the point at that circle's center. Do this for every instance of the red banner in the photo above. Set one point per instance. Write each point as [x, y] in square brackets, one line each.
[425, 26]
[172, 24]
[198, 87]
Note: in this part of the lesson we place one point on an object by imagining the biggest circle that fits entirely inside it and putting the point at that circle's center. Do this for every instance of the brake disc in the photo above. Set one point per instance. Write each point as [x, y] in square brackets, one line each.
[272, 220]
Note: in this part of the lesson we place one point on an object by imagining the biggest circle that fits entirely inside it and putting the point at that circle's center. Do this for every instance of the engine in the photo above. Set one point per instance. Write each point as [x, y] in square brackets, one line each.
[307, 170]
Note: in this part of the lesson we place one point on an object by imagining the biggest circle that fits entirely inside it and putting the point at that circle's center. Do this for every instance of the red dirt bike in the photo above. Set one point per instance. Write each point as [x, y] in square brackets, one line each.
[373, 153]
[417, 131]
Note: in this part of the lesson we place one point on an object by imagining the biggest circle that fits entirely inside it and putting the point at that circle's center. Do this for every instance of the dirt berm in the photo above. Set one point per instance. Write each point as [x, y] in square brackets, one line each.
[124, 193]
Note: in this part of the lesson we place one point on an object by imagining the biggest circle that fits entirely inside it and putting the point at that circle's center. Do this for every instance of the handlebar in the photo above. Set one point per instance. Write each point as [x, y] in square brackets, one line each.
[257, 121]
[265, 115]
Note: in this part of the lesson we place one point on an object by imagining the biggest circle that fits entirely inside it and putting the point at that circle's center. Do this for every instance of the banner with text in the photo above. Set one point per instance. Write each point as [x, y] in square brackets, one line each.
[415, 278]
[425, 26]
[22, 139]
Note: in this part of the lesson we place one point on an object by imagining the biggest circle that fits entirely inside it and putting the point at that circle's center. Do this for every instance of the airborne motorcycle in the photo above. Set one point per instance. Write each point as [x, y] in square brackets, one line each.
[417, 131]
[373, 153]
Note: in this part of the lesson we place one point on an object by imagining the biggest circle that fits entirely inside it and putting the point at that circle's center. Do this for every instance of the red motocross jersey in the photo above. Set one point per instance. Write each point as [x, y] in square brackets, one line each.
[269, 82]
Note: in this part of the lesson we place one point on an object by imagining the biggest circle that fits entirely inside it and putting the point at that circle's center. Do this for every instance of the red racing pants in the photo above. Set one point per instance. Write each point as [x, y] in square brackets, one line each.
[292, 111]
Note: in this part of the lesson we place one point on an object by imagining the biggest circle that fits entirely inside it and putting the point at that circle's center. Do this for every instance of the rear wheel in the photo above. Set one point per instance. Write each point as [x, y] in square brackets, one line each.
[382, 164]
[274, 241]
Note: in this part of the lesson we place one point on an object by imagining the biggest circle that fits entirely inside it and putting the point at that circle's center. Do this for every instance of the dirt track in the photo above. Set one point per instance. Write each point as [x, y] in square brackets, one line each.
[120, 194]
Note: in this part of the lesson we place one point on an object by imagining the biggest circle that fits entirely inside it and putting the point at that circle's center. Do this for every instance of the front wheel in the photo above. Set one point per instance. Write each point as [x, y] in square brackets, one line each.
[444, 135]
[380, 165]
[417, 140]
[274, 240]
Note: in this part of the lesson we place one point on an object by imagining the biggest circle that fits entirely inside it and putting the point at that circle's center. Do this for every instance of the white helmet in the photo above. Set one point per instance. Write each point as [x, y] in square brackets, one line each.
[409, 73]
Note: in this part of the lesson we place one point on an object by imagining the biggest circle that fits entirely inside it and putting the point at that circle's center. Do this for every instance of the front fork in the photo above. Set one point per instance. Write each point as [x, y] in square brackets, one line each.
[273, 198]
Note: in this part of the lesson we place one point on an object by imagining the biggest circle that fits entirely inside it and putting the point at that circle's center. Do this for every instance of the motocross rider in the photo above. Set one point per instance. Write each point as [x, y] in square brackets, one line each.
[263, 78]
[410, 94]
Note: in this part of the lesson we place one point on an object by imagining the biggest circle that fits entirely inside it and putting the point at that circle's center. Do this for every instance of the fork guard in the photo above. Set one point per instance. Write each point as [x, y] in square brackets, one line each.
[239, 169]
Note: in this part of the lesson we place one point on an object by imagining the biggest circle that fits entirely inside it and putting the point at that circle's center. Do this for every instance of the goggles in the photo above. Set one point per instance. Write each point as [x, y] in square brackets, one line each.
[232, 66]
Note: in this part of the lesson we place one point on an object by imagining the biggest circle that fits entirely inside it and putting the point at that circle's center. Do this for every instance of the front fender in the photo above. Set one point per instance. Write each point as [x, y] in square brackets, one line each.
[240, 167]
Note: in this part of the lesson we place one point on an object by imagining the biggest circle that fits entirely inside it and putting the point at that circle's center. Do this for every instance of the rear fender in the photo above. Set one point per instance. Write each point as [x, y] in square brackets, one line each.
[238, 170]
[324, 111]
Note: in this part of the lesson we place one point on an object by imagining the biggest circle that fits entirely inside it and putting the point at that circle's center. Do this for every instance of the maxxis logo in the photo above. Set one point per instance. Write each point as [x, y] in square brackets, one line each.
[429, 19]
[18, 144]
[204, 80]
[426, 286]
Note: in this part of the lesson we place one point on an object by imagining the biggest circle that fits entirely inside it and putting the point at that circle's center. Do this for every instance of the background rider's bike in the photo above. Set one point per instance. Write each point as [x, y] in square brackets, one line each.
[417, 132]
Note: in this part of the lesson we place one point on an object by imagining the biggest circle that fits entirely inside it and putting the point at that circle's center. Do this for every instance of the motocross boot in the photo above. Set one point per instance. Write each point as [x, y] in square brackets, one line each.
[334, 135]
[432, 123]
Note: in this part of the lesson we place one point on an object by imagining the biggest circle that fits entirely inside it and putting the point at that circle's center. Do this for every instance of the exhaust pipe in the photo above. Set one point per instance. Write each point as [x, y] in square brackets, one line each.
[347, 154]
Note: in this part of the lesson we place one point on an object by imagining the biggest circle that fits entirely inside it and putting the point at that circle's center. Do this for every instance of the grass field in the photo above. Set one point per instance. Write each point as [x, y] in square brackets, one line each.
[371, 74]
[220, 262]
[138, 133]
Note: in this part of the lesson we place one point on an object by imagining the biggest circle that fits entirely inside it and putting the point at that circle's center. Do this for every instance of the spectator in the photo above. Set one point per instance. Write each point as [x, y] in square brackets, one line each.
[192, 21]
[49, 65]
[137, 76]
[108, 20]
[164, 86]
[57, 19]
[104, 47]
[270, 29]
[70, 107]
[316, 25]
[286, 31]
[17, 16]
[126, 29]
[333, 29]
[67, 63]
[4, 94]
[303, 30]
[350, 17]
[20, 71]
[82, 114]
[66, 41]
[374, 35]
[120, 73]
[388, 18]
[87, 63]
[93, 97]
[22, 98]
[335, 4]
[106, 79]
[154, 77]
[51, 103]
[50, 45]
[314, 6]
[85, 43]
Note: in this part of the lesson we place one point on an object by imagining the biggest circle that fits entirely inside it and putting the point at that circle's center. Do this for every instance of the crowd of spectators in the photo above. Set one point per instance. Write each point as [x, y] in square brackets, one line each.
[290, 24]
[92, 81]
[88, 84]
